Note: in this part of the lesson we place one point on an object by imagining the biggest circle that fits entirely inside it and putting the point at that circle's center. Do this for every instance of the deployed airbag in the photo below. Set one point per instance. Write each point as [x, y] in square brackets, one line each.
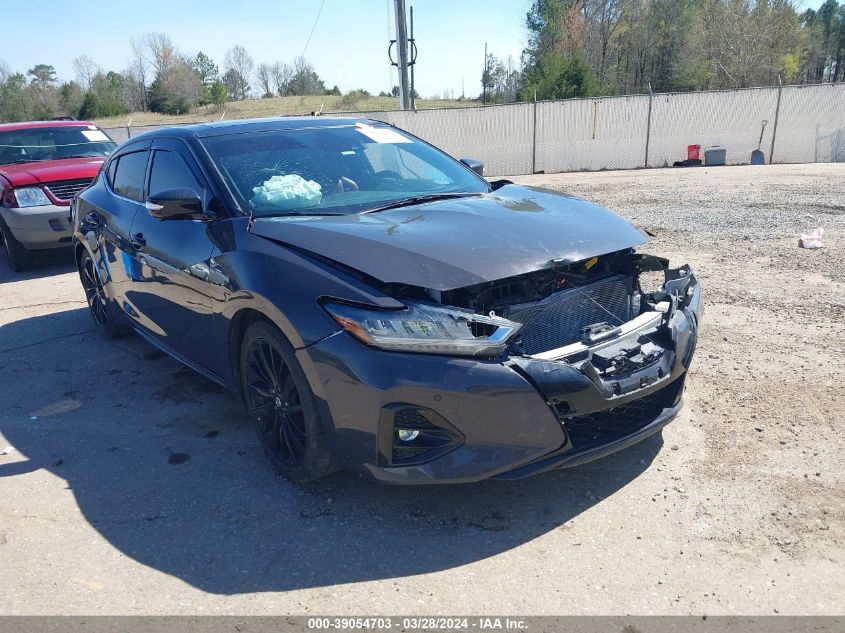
[287, 192]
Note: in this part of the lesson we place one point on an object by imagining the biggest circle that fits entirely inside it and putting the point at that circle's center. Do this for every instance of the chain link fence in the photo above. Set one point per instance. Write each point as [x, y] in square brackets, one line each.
[803, 124]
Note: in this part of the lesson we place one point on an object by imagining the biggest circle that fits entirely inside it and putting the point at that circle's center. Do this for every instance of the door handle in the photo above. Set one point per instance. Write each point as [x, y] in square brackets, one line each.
[137, 240]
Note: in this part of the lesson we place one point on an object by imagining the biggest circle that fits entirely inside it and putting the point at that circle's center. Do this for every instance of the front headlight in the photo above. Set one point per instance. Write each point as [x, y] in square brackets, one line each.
[426, 329]
[31, 197]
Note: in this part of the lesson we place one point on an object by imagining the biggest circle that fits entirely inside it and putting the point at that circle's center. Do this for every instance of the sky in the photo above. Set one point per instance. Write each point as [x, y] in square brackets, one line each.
[348, 47]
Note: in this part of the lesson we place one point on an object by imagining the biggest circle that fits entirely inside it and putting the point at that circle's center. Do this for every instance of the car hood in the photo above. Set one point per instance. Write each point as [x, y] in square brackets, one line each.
[23, 174]
[453, 243]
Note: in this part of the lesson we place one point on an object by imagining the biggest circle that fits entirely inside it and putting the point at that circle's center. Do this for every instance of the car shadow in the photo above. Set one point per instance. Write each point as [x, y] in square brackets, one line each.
[165, 466]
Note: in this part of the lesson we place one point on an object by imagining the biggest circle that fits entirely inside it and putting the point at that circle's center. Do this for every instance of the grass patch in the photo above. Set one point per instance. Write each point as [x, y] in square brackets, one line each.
[279, 106]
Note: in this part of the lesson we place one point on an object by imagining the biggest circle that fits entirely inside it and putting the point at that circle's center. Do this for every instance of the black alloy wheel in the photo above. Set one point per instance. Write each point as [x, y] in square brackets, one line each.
[95, 294]
[98, 300]
[275, 402]
[282, 404]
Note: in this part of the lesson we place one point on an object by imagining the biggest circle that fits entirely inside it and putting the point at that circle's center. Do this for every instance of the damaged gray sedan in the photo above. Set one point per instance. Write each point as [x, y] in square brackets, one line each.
[379, 306]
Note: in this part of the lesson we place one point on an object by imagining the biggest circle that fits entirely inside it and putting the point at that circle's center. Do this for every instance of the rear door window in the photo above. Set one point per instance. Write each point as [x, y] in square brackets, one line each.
[129, 176]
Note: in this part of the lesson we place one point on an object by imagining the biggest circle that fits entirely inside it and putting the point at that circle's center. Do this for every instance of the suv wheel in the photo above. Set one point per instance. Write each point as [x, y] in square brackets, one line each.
[19, 257]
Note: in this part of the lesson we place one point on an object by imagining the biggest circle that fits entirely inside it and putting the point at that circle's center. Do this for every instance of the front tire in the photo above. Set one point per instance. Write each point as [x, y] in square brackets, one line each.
[19, 257]
[99, 304]
[283, 406]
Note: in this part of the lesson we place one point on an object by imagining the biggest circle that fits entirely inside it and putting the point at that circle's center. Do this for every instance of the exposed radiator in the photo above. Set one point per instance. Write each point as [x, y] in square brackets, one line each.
[558, 319]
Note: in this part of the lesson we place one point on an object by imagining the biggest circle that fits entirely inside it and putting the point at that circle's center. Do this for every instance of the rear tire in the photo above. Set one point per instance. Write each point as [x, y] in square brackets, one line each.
[99, 304]
[19, 257]
[283, 406]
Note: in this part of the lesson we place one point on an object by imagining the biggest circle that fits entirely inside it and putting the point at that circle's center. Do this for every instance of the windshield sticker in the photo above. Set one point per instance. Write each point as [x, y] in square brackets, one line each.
[381, 134]
[94, 135]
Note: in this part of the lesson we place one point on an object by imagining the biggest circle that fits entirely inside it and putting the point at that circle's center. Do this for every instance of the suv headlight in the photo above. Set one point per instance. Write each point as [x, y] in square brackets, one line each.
[31, 197]
[425, 329]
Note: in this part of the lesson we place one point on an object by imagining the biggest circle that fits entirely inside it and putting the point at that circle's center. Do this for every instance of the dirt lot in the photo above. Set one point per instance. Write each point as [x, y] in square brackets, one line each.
[131, 485]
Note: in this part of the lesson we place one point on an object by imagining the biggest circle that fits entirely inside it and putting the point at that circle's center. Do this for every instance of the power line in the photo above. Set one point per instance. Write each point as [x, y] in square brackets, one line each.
[308, 41]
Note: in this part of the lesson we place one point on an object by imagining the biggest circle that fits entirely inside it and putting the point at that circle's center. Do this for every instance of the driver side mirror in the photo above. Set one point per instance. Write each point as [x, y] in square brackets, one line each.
[174, 204]
[475, 165]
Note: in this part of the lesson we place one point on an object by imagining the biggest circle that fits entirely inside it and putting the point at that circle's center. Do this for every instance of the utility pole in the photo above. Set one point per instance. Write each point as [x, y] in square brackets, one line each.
[402, 57]
[412, 63]
[484, 78]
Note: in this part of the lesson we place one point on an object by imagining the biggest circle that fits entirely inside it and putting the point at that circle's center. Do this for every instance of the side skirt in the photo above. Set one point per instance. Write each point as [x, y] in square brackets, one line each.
[181, 358]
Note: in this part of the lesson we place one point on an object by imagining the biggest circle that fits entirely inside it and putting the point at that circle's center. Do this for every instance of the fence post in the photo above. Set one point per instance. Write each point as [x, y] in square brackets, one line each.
[128, 133]
[648, 125]
[534, 142]
[775, 126]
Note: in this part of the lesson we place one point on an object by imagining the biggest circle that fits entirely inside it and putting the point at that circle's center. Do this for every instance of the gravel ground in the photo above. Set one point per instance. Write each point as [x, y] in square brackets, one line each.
[769, 369]
[131, 485]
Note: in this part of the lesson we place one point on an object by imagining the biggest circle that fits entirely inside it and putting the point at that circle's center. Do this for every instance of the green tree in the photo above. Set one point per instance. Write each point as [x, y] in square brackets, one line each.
[43, 75]
[825, 34]
[205, 67]
[305, 80]
[557, 77]
[238, 64]
[41, 91]
[394, 92]
[107, 97]
[71, 96]
[546, 26]
[839, 61]
[208, 73]
[234, 83]
[15, 100]
[218, 93]
[177, 91]
[111, 92]
[500, 80]
[90, 106]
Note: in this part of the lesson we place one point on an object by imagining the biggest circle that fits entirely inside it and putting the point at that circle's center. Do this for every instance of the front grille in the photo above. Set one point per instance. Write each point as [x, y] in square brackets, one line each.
[558, 319]
[596, 429]
[67, 189]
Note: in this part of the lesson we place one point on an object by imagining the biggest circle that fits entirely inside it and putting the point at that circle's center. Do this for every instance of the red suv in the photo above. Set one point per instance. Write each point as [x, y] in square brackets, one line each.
[43, 165]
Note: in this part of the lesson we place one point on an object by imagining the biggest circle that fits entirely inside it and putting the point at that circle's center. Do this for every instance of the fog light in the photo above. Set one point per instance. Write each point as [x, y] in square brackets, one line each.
[408, 435]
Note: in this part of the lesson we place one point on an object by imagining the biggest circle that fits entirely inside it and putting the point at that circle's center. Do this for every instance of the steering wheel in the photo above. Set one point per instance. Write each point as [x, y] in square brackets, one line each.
[382, 175]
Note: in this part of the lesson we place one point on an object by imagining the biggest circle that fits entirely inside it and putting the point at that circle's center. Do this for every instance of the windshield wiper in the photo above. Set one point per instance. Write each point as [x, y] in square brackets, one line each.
[429, 197]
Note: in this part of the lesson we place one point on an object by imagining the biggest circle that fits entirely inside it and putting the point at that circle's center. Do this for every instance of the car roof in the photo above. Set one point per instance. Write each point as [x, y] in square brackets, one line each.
[27, 125]
[241, 126]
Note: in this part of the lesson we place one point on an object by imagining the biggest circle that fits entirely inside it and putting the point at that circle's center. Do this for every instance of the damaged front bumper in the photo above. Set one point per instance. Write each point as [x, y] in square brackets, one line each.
[513, 417]
[621, 389]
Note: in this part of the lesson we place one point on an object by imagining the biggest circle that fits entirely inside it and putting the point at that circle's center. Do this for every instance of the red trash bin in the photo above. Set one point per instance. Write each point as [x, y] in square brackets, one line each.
[693, 152]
